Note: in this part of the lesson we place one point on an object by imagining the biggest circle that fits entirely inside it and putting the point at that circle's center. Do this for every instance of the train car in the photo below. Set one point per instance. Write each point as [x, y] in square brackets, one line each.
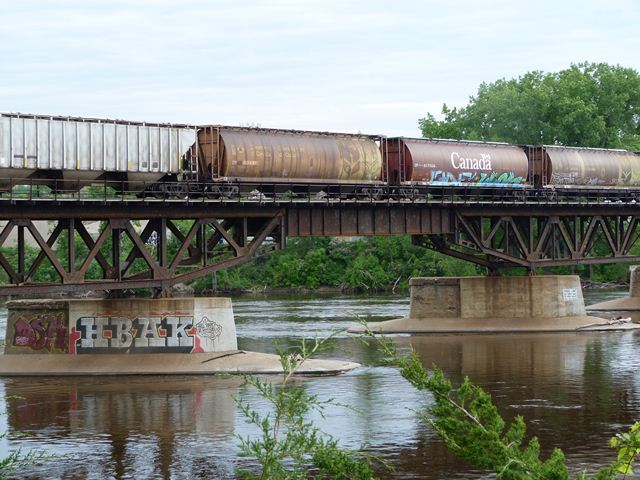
[568, 167]
[67, 152]
[287, 157]
[452, 163]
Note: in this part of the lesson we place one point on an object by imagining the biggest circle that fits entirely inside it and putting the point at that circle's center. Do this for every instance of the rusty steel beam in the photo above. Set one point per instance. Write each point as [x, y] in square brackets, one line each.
[352, 221]
[135, 258]
[133, 210]
[497, 241]
[189, 209]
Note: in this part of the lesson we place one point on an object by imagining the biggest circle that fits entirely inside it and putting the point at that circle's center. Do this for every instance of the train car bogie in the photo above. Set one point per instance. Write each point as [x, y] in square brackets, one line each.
[408, 192]
[369, 192]
[221, 190]
[166, 189]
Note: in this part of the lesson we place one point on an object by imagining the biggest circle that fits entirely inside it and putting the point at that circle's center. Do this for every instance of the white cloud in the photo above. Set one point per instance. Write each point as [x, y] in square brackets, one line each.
[369, 66]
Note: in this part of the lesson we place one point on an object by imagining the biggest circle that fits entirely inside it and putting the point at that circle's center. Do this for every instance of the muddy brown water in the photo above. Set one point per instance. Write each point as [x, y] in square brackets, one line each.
[575, 391]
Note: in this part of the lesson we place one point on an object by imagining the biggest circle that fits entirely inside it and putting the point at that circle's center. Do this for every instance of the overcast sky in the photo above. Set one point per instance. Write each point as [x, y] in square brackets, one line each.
[370, 66]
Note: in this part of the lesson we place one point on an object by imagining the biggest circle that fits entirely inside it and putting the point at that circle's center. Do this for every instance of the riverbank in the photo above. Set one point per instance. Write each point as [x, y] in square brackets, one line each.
[392, 290]
[279, 292]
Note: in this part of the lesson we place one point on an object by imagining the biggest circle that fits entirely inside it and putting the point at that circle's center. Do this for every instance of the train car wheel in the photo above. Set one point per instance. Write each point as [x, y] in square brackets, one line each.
[519, 195]
[177, 190]
[229, 191]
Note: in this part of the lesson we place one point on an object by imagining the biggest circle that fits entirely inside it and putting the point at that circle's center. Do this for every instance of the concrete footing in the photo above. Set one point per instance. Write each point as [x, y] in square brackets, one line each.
[161, 364]
[496, 304]
[133, 336]
[622, 307]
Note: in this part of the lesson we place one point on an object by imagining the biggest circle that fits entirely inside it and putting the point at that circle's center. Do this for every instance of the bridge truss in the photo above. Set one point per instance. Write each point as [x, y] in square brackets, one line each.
[537, 240]
[132, 248]
[126, 243]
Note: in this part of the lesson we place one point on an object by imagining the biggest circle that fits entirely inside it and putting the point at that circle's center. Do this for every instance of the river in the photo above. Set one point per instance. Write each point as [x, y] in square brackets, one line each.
[575, 391]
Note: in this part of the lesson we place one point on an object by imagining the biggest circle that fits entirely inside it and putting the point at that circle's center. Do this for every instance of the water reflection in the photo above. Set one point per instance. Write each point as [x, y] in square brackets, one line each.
[138, 424]
[574, 389]
[149, 406]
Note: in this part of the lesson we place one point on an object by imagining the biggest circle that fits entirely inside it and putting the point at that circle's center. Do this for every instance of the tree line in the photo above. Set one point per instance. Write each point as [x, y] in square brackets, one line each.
[587, 105]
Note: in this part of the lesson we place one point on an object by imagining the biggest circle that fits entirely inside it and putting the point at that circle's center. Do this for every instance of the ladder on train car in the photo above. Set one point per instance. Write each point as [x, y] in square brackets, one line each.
[190, 164]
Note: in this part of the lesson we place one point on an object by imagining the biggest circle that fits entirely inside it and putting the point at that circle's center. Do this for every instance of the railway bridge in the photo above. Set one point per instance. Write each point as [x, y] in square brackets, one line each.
[157, 241]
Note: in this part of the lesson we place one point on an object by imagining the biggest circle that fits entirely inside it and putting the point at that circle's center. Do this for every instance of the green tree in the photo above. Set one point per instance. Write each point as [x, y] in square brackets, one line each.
[588, 104]
[358, 264]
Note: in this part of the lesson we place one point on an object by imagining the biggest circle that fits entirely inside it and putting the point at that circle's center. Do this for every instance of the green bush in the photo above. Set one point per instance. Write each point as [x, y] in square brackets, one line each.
[357, 264]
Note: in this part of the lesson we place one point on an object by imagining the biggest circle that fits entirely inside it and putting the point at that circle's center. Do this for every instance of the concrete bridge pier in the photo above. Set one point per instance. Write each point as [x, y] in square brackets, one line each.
[496, 304]
[622, 307]
[133, 336]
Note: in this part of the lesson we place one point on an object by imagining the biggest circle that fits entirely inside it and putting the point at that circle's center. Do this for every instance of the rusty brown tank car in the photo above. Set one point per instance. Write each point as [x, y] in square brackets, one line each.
[229, 153]
[449, 162]
[584, 167]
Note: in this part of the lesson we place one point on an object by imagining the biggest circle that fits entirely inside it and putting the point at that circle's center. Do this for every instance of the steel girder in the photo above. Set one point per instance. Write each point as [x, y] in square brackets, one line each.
[520, 240]
[123, 253]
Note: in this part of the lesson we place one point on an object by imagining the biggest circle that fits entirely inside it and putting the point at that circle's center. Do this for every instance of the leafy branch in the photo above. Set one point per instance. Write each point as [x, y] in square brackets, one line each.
[289, 445]
[472, 428]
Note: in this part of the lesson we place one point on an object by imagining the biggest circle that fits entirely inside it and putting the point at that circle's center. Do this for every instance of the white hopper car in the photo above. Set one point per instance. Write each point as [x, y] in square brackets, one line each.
[67, 152]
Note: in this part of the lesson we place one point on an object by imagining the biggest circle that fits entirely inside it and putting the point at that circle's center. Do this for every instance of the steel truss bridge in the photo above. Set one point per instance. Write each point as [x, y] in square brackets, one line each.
[151, 242]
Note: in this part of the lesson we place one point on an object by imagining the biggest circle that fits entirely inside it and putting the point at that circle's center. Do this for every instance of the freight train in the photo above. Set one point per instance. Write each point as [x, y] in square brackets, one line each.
[66, 153]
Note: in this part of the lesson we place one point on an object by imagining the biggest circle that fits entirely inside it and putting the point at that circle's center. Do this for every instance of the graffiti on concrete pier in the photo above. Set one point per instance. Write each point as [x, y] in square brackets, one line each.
[152, 334]
[41, 332]
[209, 329]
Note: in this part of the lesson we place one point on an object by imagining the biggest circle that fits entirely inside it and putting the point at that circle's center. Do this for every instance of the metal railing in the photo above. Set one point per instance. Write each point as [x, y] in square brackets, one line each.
[109, 191]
